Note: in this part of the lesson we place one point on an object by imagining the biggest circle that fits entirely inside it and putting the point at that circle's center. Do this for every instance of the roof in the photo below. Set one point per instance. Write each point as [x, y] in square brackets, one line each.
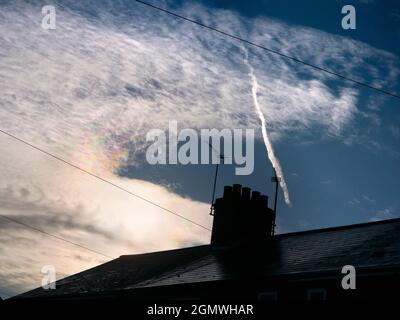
[368, 245]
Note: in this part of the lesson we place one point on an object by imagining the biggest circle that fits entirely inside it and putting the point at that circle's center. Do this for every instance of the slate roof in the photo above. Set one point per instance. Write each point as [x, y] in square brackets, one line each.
[369, 245]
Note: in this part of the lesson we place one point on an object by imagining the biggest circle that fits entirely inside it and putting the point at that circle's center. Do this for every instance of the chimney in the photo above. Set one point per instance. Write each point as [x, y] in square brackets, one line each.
[241, 218]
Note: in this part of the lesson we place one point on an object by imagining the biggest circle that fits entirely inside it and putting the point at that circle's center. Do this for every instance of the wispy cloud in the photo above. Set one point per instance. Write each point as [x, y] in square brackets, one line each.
[384, 214]
[395, 131]
[91, 88]
[363, 200]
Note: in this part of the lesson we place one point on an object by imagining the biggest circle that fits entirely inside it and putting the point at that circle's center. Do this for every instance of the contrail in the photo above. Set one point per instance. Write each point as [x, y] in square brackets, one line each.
[270, 151]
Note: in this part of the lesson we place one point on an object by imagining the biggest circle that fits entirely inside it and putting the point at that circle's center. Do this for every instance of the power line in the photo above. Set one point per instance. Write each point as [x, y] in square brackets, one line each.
[102, 179]
[54, 236]
[271, 50]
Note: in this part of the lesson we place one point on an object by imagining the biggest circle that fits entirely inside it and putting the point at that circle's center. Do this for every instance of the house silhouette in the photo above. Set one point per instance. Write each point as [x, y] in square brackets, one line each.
[244, 260]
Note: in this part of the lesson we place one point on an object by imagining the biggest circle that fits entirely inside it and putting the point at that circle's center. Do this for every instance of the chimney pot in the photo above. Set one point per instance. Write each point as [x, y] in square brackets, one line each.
[264, 200]
[227, 192]
[255, 195]
[237, 191]
[246, 193]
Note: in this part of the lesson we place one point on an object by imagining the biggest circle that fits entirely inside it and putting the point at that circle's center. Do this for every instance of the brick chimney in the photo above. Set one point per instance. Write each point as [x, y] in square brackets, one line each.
[241, 216]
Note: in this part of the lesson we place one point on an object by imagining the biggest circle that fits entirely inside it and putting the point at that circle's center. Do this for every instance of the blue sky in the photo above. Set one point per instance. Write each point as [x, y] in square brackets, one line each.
[90, 90]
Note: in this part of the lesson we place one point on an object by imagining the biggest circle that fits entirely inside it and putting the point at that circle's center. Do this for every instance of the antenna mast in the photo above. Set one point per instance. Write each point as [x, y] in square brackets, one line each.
[275, 179]
[221, 157]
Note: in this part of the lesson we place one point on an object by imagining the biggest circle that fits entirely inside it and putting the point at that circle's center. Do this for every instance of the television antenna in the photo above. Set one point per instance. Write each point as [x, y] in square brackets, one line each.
[275, 179]
[222, 158]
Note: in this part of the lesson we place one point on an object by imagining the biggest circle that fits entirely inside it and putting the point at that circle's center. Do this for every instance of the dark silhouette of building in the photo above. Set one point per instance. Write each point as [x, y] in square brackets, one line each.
[244, 260]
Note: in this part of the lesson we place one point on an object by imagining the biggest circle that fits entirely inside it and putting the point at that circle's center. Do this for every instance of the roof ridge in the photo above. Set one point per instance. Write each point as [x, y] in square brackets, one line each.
[163, 251]
[348, 226]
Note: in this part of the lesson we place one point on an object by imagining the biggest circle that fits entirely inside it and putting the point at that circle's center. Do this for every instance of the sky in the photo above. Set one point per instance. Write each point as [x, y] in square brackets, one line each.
[90, 90]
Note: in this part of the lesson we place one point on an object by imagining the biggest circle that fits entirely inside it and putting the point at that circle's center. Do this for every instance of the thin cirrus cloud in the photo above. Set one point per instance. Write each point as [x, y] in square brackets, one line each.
[91, 89]
[97, 86]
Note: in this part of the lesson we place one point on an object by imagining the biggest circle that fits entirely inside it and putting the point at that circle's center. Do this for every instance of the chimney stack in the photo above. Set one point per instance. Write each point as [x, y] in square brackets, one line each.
[239, 218]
